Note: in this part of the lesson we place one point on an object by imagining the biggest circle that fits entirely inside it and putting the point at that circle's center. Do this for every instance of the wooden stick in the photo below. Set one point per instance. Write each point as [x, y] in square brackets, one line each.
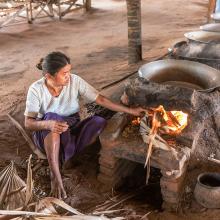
[27, 138]
[214, 160]
[123, 200]
[108, 211]
[144, 216]
[153, 132]
[147, 129]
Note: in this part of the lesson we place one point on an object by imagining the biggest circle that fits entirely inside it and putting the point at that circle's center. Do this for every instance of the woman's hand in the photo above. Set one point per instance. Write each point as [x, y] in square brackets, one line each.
[57, 126]
[137, 111]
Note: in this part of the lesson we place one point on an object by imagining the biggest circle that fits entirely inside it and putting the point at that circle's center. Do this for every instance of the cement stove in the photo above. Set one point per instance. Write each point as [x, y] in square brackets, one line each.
[198, 139]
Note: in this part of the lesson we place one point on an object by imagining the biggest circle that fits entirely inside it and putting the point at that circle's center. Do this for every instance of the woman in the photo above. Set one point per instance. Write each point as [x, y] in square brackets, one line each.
[52, 113]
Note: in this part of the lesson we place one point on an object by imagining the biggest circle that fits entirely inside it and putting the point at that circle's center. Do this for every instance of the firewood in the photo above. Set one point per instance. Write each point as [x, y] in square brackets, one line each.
[156, 125]
[214, 160]
[152, 139]
[158, 142]
[173, 119]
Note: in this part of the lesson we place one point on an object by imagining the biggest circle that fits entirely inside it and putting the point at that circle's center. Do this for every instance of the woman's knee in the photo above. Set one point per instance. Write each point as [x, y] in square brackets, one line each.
[51, 139]
[99, 121]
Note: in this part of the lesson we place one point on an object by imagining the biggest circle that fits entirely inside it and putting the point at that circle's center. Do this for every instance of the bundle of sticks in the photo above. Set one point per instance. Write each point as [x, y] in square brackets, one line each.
[150, 135]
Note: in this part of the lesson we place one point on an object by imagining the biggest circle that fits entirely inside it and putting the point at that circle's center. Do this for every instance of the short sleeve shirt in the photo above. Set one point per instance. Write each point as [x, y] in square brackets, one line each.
[40, 101]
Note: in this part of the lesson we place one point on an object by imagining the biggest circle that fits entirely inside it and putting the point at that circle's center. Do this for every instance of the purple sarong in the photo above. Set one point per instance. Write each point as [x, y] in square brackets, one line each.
[79, 134]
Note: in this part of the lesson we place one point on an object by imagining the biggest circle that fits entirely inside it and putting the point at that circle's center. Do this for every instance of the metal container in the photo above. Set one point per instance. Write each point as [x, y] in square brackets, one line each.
[215, 27]
[215, 16]
[203, 37]
[195, 51]
[207, 190]
[182, 73]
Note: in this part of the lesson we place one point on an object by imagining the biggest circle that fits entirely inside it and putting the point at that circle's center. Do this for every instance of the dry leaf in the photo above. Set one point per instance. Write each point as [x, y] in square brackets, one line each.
[27, 138]
[50, 201]
[12, 188]
[29, 188]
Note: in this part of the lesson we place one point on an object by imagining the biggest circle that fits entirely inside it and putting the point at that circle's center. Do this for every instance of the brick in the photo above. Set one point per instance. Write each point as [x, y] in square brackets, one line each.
[107, 171]
[171, 186]
[168, 206]
[173, 180]
[108, 162]
[170, 197]
[109, 182]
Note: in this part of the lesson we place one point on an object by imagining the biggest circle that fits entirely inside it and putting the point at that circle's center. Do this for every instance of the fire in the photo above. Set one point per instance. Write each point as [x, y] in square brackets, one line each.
[136, 121]
[176, 121]
[170, 122]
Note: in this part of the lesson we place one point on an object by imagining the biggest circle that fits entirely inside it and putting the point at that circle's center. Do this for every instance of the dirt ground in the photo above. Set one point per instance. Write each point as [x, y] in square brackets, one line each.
[97, 44]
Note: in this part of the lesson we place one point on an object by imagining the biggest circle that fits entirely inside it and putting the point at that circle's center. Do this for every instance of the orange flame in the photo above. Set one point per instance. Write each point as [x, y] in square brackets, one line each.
[173, 122]
[177, 123]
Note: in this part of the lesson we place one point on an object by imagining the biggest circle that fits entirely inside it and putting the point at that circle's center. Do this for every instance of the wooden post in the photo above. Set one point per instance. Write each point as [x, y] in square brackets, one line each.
[211, 8]
[134, 31]
[88, 5]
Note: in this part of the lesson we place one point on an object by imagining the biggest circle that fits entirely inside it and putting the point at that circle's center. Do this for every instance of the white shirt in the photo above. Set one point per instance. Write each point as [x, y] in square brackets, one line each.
[40, 101]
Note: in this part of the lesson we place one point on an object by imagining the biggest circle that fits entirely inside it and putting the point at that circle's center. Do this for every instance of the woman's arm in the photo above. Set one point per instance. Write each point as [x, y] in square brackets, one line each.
[52, 125]
[105, 102]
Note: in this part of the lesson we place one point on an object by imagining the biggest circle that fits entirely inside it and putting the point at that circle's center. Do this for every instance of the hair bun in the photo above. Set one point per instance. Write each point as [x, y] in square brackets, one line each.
[39, 65]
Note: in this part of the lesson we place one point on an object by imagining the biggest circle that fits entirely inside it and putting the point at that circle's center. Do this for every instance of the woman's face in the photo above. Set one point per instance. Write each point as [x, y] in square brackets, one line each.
[62, 77]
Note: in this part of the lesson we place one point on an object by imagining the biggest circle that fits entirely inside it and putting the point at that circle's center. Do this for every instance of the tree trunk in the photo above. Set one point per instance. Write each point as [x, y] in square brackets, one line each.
[134, 31]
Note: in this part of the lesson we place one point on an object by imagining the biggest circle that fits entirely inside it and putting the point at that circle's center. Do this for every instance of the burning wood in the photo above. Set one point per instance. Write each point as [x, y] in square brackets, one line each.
[171, 122]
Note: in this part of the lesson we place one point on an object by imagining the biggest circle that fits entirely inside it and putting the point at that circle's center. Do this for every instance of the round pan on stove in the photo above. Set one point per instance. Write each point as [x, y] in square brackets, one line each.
[182, 73]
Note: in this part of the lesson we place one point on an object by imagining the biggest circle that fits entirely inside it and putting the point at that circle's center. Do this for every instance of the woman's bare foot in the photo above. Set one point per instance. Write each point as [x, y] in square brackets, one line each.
[57, 190]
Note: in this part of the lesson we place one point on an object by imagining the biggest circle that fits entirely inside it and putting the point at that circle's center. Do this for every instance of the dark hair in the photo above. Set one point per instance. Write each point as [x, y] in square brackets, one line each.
[53, 62]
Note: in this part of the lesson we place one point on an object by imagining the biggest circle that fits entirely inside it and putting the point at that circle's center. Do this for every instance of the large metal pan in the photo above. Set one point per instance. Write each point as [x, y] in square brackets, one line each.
[215, 27]
[181, 73]
[204, 37]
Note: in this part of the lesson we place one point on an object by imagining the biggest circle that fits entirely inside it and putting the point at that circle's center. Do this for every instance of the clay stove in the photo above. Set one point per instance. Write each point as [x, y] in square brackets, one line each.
[119, 152]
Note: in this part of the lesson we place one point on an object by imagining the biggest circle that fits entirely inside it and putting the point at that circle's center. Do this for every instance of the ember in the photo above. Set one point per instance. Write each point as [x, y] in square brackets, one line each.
[136, 121]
